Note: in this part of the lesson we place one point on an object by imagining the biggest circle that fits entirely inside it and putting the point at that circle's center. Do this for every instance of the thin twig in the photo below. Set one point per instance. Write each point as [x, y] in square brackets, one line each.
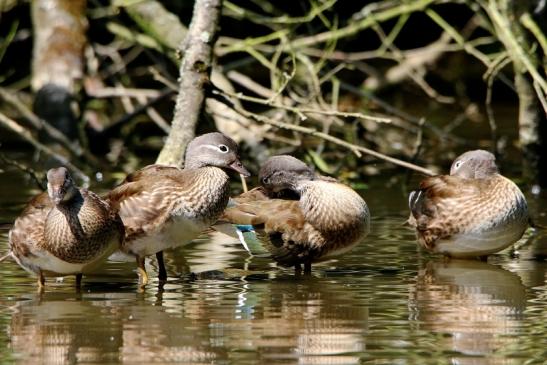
[109, 92]
[527, 20]
[41, 124]
[415, 121]
[155, 116]
[515, 46]
[239, 12]
[300, 111]
[140, 109]
[250, 84]
[40, 181]
[355, 27]
[27, 136]
[457, 37]
[358, 150]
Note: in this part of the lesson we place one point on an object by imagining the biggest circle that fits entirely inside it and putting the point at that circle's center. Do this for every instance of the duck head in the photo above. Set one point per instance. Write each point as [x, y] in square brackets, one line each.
[60, 186]
[214, 149]
[477, 164]
[284, 173]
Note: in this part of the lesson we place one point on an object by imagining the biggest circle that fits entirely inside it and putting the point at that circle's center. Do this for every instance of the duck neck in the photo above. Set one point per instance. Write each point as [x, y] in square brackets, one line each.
[194, 163]
[211, 192]
[69, 212]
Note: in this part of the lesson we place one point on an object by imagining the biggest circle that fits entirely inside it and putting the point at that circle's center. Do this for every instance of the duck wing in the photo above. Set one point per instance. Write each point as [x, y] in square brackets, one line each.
[441, 206]
[144, 203]
[27, 233]
[281, 228]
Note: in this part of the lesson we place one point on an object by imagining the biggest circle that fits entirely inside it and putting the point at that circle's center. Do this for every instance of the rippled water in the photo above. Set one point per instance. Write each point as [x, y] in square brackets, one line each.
[383, 303]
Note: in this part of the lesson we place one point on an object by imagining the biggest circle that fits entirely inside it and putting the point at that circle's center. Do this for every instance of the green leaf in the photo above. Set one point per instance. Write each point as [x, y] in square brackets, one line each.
[320, 163]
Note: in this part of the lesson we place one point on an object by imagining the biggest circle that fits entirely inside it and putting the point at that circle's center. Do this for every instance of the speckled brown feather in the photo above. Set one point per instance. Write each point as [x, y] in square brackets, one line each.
[328, 217]
[258, 193]
[448, 205]
[154, 170]
[76, 232]
[29, 226]
[150, 199]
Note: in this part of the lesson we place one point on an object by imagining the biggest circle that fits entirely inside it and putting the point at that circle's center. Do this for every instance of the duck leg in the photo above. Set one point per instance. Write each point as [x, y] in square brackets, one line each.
[41, 281]
[143, 276]
[162, 275]
[307, 268]
[297, 269]
[79, 280]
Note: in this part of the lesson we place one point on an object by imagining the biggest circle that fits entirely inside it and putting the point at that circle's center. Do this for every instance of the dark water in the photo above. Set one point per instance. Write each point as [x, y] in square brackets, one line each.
[383, 303]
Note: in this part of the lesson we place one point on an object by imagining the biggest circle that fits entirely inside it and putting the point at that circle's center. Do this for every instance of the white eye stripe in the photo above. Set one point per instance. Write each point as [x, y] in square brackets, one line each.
[220, 148]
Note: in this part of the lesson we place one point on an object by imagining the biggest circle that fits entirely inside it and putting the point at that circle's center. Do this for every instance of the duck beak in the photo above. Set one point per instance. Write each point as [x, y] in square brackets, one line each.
[238, 167]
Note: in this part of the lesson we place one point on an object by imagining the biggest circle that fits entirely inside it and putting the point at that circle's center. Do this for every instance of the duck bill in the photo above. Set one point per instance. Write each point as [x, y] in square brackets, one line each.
[238, 167]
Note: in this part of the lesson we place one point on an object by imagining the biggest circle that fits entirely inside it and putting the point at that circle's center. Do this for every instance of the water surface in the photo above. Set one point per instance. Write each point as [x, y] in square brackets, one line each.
[385, 302]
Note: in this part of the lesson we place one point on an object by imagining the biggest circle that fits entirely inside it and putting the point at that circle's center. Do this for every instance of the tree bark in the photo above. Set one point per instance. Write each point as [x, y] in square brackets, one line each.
[532, 132]
[532, 117]
[166, 28]
[195, 71]
[57, 62]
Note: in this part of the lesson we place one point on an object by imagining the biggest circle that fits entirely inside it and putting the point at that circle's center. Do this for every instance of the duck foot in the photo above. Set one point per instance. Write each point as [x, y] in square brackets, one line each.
[143, 276]
[162, 274]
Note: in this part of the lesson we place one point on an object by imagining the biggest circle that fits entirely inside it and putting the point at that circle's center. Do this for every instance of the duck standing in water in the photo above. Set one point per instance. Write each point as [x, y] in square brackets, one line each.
[305, 217]
[65, 230]
[472, 212]
[164, 207]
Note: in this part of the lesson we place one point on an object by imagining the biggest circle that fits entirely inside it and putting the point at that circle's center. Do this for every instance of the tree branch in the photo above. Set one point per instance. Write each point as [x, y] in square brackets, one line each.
[195, 70]
[27, 136]
[327, 137]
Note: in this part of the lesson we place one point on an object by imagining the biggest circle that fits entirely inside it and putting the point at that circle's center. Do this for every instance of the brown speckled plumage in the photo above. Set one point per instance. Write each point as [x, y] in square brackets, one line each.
[474, 211]
[164, 207]
[148, 202]
[79, 230]
[328, 218]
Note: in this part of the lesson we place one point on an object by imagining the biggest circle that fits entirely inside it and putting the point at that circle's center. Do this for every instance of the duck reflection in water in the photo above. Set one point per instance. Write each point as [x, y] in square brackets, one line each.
[278, 322]
[206, 321]
[475, 305]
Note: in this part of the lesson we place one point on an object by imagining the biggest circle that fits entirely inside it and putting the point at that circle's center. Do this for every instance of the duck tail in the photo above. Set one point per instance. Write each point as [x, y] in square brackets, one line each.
[250, 240]
[5, 256]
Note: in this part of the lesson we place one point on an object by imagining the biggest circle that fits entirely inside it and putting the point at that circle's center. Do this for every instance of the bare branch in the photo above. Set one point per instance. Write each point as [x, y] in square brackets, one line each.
[195, 70]
[313, 132]
[27, 136]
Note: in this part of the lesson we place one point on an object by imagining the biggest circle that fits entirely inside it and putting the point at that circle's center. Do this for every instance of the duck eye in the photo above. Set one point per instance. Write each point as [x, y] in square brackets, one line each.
[265, 180]
[458, 164]
[223, 148]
